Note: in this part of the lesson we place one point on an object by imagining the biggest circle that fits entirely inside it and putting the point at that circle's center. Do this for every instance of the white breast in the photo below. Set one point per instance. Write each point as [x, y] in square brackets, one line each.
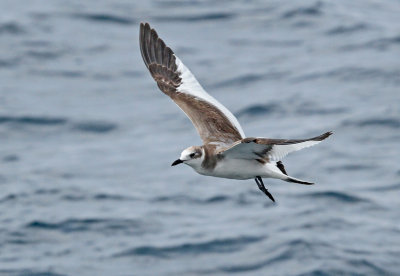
[236, 169]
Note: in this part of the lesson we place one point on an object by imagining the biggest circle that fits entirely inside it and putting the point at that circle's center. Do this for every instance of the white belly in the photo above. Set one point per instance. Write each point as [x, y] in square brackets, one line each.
[238, 169]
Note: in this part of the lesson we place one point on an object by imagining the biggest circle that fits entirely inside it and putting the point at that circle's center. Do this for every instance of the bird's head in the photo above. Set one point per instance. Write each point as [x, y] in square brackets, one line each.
[192, 156]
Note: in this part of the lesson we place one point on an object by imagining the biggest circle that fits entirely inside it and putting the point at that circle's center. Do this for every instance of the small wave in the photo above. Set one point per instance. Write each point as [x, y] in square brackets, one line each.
[213, 246]
[47, 191]
[291, 249]
[59, 73]
[368, 267]
[247, 267]
[215, 199]
[92, 225]
[10, 158]
[37, 43]
[111, 197]
[347, 29]
[251, 78]
[28, 272]
[180, 4]
[314, 10]
[102, 77]
[327, 272]
[98, 48]
[239, 81]
[78, 197]
[382, 122]
[17, 237]
[353, 74]
[10, 62]
[10, 197]
[240, 268]
[267, 43]
[378, 44]
[84, 126]
[105, 18]
[11, 28]
[313, 109]
[385, 188]
[330, 223]
[260, 109]
[74, 197]
[303, 24]
[93, 126]
[44, 54]
[276, 108]
[31, 120]
[188, 199]
[384, 42]
[194, 17]
[132, 73]
[338, 196]
[351, 167]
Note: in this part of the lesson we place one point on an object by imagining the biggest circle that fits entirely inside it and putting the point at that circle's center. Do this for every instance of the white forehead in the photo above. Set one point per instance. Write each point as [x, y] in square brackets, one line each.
[187, 152]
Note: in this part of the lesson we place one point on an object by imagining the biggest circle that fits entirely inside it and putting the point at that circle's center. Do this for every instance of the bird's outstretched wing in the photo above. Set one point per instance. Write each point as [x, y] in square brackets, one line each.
[272, 149]
[213, 121]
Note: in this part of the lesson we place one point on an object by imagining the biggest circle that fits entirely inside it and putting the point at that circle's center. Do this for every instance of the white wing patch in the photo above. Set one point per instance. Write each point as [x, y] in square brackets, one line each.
[278, 152]
[191, 86]
[274, 152]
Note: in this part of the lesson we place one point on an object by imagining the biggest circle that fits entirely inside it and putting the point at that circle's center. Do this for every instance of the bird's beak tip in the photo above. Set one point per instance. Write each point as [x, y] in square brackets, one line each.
[176, 162]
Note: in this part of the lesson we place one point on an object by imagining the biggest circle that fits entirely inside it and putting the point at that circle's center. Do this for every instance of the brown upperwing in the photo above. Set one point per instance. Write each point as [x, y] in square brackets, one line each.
[211, 124]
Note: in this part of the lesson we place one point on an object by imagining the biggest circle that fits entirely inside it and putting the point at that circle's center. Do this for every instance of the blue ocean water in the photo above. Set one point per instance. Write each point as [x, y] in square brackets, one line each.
[87, 139]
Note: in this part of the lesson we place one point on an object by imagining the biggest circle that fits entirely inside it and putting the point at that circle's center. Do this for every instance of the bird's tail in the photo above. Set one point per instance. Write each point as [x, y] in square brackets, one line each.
[295, 180]
[278, 171]
[287, 178]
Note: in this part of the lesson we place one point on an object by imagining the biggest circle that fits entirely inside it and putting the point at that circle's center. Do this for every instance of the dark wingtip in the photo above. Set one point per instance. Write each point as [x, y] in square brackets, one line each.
[329, 133]
[144, 25]
[323, 136]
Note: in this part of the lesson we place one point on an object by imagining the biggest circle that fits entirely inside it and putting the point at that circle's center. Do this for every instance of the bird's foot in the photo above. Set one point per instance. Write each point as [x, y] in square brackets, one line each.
[261, 186]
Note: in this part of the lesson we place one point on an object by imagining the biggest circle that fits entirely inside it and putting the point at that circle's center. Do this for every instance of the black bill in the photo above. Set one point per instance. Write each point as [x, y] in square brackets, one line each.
[176, 162]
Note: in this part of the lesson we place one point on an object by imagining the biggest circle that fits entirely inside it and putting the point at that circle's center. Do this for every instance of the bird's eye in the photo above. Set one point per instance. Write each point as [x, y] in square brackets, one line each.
[192, 155]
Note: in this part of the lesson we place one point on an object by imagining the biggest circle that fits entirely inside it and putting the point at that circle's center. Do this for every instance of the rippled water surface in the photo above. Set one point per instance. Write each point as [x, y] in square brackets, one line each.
[87, 139]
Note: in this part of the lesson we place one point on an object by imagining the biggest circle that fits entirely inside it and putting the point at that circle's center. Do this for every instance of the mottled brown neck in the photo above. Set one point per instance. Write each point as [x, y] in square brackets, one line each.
[210, 157]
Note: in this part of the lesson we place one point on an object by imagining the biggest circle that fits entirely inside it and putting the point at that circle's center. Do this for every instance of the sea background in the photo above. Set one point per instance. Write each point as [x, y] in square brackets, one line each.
[87, 139]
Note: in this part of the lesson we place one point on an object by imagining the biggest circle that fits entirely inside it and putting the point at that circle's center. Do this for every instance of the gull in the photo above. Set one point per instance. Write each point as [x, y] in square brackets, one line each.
[226, 151]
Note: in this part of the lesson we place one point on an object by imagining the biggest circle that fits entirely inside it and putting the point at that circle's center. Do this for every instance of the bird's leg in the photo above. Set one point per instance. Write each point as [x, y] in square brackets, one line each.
[261, 186]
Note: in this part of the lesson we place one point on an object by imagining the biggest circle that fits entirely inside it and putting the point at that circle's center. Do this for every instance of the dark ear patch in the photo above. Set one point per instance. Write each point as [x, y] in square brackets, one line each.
[198, 153]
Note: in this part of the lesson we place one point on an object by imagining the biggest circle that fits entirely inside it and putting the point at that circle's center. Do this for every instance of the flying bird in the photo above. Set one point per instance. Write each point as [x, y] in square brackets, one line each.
[226, 151]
